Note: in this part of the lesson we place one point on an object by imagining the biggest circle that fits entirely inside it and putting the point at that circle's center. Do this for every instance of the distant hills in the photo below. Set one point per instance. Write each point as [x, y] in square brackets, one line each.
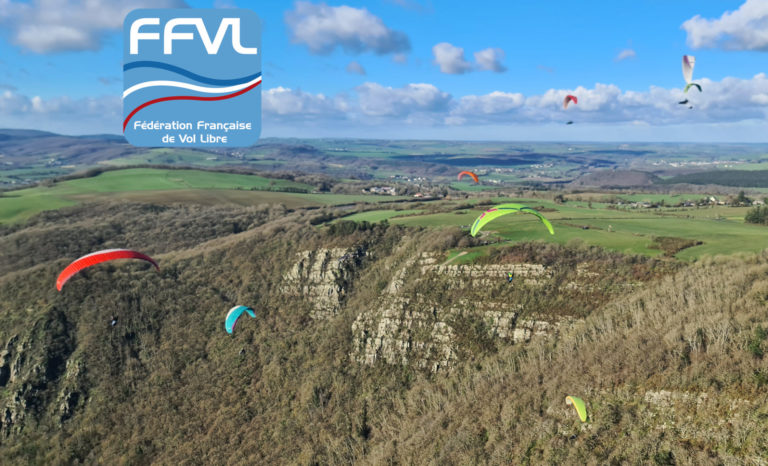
[736, 178]
[616, 179]
[28, 156]
[30, 147]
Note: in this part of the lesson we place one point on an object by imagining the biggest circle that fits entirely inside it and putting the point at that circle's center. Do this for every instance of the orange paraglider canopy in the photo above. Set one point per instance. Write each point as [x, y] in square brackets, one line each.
[474, 177]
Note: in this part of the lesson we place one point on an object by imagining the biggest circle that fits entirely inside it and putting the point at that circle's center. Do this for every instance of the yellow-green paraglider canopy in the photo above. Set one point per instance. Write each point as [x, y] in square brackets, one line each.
[504, 209]
[579, 405]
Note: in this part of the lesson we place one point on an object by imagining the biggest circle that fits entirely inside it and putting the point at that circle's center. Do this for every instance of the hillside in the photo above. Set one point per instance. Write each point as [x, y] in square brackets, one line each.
[615, 179]
[29, 147]
[738, 178]
[367, 346]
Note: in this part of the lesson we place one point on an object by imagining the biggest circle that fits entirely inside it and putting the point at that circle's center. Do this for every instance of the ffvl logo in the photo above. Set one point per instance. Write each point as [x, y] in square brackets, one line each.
[192, 77]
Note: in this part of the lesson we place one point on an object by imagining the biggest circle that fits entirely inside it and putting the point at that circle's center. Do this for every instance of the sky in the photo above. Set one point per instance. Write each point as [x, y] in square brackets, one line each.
[427, 69]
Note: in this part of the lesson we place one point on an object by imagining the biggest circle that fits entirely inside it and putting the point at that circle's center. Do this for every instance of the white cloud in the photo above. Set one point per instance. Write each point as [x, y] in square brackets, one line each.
[322, 28]
[450, 58]
[736, 105]
[284, 101]
[743, 29]
[729, 100]
[494, 103]
[400, 58]
[760, 99]
[377, 100]
[355, 68]
[626, 54]
[61, 114]
[490, 59]
[14, 103]
[50, 26]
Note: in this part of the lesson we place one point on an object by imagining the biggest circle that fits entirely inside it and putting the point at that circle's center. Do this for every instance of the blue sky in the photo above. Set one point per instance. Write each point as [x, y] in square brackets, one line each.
[427, 68]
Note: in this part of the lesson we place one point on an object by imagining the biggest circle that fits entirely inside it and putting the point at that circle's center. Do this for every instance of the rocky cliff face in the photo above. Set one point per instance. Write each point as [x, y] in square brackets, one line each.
[323, 277]
[417, 328]
[406, 326]
[38, 374]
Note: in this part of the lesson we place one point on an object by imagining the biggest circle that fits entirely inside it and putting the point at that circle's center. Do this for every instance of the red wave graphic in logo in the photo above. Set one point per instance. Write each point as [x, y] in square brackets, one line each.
[186, 97]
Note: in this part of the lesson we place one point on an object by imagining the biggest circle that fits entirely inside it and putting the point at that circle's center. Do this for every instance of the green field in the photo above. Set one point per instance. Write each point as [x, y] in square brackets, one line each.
[171, 156]
[669, 199]
[472, 187]
[721, 229]
[165, 186]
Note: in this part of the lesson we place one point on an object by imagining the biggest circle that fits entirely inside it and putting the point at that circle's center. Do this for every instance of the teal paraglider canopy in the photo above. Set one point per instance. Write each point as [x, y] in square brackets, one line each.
[234, 314]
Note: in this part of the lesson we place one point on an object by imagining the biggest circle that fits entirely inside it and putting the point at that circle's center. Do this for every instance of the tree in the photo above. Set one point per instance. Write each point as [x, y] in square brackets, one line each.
[742, 199]
[757, 215]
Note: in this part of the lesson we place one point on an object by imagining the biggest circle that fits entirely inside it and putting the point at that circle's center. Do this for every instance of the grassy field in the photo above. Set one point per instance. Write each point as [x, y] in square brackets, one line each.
[471, 187]
[170, 156]
[721, 229]
[167, 186]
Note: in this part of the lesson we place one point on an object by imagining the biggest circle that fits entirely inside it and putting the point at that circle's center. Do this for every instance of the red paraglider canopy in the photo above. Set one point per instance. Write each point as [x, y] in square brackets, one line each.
[569, 98]
[97, 258]
[474, 177]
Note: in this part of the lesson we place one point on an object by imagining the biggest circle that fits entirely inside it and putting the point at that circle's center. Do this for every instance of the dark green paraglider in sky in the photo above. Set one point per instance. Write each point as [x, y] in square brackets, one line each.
[688, 86]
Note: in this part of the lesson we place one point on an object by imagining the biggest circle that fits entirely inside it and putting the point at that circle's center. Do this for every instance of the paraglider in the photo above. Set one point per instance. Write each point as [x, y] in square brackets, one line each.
[504, 209]
[688, 64]
[568, 99]
[569, 122]
[690, 85]
[470, 174]
[579, 405]
[234, 314]
[97, 258]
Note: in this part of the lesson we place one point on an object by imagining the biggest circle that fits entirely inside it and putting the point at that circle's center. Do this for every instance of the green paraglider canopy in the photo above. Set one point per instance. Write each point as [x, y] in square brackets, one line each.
[690, 85]
[579, 405]
[504, 209]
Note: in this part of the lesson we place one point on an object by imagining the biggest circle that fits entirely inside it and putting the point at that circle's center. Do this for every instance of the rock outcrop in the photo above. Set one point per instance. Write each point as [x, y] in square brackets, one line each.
[415, 319]
[323, 277]
[38, 375]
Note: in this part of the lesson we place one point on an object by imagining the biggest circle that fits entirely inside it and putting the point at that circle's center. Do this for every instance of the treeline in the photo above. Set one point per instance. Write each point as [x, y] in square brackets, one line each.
[74, 231]
[737, 178]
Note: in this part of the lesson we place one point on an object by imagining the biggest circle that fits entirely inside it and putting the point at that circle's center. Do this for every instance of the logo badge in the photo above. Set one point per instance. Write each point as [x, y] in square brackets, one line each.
[192, 78]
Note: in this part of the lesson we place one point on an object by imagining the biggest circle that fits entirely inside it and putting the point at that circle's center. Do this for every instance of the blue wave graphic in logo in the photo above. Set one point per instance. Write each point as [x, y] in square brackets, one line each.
[189, 74]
